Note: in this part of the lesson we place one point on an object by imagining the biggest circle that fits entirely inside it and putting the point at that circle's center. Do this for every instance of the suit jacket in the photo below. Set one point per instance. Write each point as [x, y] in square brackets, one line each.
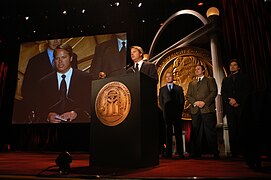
[239, 89]
[78, 95]
[37, 67]
[171, 102]
[205, 90]
[147, 68]
[108, 59]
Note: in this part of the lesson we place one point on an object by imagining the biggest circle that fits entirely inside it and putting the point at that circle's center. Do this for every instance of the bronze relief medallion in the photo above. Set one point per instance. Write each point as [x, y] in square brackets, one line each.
[182, 62]
[113, 103]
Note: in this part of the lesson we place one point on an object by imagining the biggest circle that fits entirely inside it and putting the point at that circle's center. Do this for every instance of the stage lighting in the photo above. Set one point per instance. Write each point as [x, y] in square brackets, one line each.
[63, 161]
[212, 11]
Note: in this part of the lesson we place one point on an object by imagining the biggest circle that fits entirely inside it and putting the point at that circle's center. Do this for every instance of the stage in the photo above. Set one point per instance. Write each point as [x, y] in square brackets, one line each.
[41, 165]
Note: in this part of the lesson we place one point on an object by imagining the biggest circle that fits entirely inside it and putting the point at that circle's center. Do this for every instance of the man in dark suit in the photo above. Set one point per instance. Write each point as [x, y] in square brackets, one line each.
[110, 57]
[201, 96]
[65, 93]
[140, 65]
[37, 67]
[171, 100]
[234, 91]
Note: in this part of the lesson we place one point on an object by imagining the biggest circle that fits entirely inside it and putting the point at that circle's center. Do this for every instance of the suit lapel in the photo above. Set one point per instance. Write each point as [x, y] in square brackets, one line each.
[54, 91]
[142, 69]
[47, 63]
[199, 84]
[72, 83]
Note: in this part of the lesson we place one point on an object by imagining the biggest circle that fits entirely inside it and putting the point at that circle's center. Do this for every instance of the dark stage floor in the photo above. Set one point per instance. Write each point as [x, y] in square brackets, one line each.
[41, 165]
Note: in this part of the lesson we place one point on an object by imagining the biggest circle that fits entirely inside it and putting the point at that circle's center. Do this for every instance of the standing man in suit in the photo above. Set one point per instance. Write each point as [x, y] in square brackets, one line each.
[65, 93]
[201, 96]
[140, 65]
[171, 100]
[110, 57]
[37, 67]
[234, 91]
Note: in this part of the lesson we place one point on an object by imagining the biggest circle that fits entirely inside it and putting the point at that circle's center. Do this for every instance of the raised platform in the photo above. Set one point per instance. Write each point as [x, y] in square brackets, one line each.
[41, 165]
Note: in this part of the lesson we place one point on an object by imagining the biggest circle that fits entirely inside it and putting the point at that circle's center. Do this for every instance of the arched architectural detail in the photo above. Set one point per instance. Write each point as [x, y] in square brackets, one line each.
[170, 19]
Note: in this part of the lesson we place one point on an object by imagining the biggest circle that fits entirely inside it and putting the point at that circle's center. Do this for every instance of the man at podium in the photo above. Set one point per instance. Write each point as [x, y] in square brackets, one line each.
[144, 67]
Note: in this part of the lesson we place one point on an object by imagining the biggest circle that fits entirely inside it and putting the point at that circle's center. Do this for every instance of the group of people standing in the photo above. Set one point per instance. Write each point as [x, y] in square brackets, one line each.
[62, 93]
[201, 95]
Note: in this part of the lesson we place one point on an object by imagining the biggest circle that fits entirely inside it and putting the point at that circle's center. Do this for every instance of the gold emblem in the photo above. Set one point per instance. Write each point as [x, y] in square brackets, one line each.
[113, 103]
[182, 62]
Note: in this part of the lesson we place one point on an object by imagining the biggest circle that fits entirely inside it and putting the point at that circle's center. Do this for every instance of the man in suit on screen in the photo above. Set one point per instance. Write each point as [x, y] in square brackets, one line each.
[65, 93]
[37, 67]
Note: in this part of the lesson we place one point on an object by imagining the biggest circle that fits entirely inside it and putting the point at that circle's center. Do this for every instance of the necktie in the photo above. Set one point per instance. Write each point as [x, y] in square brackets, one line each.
[198, 81]
[170, 87]
[63, 87]
[53, 63]
[122, 50]
[63, 91]
[136, 68]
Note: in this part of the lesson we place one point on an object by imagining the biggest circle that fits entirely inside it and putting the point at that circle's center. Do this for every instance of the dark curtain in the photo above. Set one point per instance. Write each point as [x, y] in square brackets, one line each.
[3, 124]
[246, 26]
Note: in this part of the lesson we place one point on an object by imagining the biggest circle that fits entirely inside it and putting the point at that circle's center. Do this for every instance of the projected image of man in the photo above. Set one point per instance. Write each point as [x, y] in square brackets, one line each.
[65, 93]
[39, 66]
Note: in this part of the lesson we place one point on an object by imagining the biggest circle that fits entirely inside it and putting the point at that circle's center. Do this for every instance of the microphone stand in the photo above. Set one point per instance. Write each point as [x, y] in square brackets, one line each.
[116, 70]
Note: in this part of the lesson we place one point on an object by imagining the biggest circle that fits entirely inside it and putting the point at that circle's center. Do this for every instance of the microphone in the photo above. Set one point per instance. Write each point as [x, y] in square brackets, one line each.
[116, 70]
[130, 68]
[75, 106]
[58, 103]
[51, 108]
[127, 66]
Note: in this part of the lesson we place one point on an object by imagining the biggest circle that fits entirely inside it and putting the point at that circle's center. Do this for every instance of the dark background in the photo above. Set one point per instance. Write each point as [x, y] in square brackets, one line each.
[245, 34]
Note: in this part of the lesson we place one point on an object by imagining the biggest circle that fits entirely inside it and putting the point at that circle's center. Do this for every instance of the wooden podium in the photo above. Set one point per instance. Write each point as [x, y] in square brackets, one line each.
[134, 142]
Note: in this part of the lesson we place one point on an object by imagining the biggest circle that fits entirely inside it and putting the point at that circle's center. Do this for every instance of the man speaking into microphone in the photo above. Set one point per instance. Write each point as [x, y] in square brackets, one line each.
[140, 65]
[65, 93]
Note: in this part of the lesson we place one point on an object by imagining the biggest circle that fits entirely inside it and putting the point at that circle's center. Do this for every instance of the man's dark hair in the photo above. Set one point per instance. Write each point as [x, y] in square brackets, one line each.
[235, 60]
[66, 47]
[202, 67]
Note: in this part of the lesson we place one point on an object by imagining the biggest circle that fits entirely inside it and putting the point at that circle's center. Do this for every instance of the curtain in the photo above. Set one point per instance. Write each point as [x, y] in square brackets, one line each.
[246, 32]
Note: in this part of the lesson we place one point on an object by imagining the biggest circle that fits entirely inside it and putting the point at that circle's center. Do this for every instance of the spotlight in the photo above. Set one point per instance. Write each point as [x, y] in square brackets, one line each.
[63, 161]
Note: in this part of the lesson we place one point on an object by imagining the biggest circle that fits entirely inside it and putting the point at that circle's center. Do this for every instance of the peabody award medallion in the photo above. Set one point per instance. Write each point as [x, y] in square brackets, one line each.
[181, 62]
[113, 103]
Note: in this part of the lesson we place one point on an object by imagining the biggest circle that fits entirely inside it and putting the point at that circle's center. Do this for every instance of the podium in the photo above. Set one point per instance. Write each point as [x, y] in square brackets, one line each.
[134, 141]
